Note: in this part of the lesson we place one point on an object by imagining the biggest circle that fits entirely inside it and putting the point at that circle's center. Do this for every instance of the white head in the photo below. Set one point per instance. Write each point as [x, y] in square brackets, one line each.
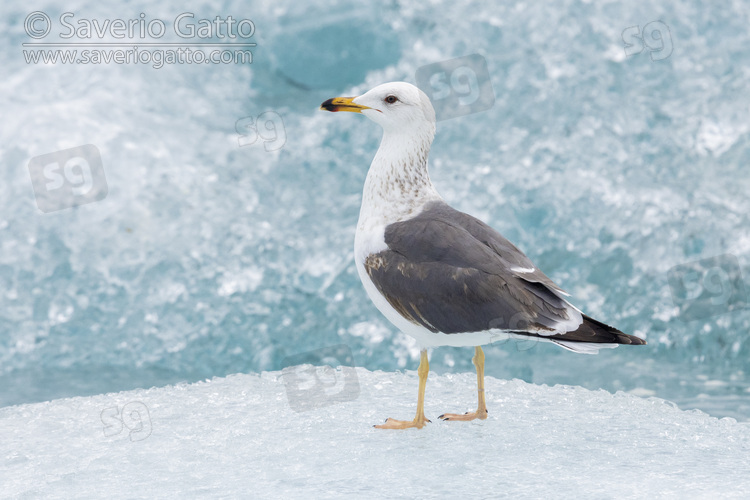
[398, 107]
[397, 183]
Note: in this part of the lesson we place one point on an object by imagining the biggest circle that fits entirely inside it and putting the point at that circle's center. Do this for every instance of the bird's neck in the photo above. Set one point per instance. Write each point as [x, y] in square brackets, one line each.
[398, 184]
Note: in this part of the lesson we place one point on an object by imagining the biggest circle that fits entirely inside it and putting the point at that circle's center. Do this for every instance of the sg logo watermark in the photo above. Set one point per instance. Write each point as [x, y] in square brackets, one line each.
[269, 127]
[134, 417]
[457, 87]
[707, 287]
[68, 178]
[309, 386]
[518, 322]
[655, 37]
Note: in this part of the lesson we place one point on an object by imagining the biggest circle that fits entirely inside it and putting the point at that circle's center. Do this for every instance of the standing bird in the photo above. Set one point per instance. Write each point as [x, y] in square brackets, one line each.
[440, 275]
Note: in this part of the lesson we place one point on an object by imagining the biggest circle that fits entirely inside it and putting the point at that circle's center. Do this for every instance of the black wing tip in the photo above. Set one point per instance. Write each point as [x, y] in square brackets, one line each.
[633, 340]
[592, 331]
[602, 332]
[626, 339]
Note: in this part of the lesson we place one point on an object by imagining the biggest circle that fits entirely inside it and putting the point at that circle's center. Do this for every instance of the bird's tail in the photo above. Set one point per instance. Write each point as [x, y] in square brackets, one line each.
[592, 330]
[593, 335]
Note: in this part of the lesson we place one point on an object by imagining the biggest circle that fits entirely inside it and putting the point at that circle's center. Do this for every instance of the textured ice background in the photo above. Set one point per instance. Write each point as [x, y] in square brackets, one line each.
[237, 437]
[208, 259]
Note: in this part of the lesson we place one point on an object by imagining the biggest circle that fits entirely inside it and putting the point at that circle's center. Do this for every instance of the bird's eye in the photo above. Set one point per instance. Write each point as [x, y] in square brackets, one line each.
[391, 99]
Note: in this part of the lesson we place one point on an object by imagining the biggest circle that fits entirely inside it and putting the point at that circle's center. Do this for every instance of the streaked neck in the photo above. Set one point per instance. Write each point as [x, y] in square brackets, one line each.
[398, 183]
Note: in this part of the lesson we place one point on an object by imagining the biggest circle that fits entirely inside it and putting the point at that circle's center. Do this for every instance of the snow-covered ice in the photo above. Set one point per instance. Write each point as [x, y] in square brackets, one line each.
[239, 437]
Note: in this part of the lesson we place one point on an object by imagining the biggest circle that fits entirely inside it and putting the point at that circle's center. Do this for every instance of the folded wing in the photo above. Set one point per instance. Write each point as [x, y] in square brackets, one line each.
[451, 273]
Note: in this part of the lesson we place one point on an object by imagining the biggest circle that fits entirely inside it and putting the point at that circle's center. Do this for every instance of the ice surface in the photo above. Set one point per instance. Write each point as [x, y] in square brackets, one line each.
[238, 437]
[208, 258]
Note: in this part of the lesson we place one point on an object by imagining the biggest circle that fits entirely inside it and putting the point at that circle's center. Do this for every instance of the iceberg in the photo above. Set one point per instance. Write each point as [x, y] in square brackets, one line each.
[251, 436]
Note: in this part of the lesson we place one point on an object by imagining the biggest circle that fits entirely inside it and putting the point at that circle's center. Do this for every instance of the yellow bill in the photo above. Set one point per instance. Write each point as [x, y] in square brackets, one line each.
[343, 104]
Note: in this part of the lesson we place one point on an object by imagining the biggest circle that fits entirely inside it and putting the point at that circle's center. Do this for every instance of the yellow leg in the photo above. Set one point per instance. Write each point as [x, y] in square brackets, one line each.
[419, 419]
[481, 412]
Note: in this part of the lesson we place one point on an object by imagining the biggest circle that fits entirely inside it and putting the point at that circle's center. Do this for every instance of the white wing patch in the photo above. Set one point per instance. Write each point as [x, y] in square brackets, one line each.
[523, 270]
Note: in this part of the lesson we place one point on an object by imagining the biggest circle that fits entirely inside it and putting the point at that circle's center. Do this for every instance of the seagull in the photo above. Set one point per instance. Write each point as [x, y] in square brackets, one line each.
[442, 276]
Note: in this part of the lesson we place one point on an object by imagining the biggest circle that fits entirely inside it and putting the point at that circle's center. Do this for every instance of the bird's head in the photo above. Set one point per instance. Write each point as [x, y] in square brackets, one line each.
[396, 106]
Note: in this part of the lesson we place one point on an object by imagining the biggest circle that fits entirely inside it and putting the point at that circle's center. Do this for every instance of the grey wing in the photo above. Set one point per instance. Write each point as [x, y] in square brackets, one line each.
[451, 273]
[514, 260]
